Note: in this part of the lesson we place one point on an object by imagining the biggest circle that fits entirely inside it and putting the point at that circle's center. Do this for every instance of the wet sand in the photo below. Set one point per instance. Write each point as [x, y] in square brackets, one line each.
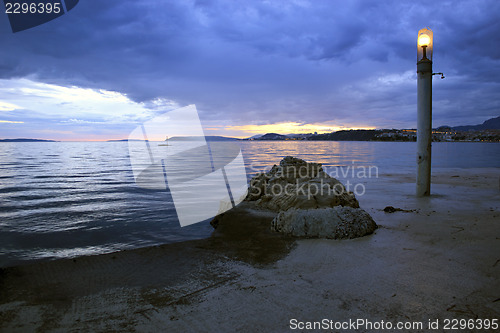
[439, 260]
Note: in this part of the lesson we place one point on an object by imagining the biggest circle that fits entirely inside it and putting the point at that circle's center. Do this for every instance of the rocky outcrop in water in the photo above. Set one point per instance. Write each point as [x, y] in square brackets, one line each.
[297, 199]
[294, 183]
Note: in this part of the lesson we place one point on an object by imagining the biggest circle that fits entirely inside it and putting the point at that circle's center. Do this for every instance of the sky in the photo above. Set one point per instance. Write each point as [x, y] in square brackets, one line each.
[250, 67]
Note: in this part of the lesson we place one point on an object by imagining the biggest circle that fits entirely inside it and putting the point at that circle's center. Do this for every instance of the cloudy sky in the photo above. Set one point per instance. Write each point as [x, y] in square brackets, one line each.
[249, 66]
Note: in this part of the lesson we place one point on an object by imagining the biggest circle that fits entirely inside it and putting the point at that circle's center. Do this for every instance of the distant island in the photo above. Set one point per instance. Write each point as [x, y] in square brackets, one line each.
[26, 140]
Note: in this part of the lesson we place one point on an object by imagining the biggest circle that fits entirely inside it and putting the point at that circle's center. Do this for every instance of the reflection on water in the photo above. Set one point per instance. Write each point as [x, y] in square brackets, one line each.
[389, 157]
[263, 154]
[65, 199]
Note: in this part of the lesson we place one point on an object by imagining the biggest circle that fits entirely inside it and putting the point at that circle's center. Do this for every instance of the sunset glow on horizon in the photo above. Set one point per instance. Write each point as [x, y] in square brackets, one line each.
[245, 131]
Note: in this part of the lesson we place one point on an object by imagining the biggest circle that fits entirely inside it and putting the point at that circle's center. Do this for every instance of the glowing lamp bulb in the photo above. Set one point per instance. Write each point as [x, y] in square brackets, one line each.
[423, 40]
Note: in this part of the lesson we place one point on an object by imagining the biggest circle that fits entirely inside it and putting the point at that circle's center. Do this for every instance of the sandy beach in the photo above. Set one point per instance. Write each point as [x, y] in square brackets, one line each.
[437, 259]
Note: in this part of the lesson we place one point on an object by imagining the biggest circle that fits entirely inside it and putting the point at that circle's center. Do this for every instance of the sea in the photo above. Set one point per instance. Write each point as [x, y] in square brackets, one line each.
[70, 199]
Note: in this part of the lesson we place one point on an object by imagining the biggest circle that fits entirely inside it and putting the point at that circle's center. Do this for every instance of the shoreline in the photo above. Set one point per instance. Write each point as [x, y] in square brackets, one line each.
[437, 261]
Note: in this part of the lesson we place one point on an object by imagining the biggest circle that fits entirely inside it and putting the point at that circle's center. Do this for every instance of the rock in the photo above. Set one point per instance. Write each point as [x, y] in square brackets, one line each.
[390, 209]
[294, 183]
[297, 199]
[335, 223]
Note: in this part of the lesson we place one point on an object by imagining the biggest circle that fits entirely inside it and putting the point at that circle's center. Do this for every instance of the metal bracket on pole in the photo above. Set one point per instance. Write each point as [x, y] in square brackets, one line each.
[442, 75]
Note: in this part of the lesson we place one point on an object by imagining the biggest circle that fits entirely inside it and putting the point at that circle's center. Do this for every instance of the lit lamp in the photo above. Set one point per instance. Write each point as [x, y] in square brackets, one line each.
[424, 42]
[424, 111]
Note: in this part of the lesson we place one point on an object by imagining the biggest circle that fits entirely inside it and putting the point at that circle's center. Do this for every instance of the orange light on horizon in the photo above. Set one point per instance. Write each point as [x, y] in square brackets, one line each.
[243, 131]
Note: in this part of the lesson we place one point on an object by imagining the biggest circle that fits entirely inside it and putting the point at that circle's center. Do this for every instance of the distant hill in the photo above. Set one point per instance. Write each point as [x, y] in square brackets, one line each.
[493, 123]
[25, 140]
[272, 136]
[351, 135]
[254, 137]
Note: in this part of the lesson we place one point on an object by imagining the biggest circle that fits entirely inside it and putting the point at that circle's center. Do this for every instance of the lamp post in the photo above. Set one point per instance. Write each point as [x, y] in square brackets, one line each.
[424, 111]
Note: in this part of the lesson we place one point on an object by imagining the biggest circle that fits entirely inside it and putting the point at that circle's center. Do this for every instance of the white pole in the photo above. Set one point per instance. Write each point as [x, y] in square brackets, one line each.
[424, 127]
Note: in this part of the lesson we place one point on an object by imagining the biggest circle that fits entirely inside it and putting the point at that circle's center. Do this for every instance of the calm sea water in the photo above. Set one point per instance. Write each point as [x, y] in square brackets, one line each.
[67, 199]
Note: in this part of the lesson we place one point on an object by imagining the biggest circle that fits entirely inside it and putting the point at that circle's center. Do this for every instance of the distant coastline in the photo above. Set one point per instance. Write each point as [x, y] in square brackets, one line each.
[403, 135]
[489, 131]
[26, 140]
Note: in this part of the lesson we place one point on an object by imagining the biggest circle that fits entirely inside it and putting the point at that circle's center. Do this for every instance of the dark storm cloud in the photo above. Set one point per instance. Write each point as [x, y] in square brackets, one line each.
[271, 61]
